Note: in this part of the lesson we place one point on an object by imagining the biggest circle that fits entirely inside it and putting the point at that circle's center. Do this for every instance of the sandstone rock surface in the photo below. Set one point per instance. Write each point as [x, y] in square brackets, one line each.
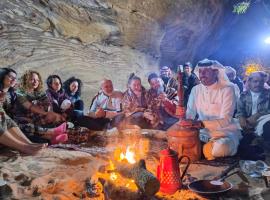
[94, 39]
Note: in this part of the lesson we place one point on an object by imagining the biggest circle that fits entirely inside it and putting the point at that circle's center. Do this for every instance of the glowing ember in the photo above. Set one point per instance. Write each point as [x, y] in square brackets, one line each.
[111, 166]
[113, 176]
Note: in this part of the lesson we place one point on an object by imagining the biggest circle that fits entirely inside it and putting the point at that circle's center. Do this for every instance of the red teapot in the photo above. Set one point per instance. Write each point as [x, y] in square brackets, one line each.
[168, 172]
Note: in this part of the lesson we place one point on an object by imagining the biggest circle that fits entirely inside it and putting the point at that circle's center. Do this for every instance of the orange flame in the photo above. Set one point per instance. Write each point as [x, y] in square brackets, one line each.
[129, 155]
[113, 176]
[120, 155]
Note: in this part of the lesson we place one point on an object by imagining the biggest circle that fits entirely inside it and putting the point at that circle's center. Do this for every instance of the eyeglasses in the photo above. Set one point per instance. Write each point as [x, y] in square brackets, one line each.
[11, 77]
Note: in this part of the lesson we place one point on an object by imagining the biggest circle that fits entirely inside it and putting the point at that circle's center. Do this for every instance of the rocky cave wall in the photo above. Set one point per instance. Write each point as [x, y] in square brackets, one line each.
[94, 39]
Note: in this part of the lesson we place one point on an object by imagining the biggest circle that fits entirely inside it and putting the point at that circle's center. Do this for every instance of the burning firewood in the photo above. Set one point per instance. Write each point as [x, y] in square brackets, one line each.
[91, 188]
[146, 182]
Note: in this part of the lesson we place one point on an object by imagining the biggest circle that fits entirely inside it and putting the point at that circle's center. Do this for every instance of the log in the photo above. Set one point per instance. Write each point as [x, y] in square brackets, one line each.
[146, 182]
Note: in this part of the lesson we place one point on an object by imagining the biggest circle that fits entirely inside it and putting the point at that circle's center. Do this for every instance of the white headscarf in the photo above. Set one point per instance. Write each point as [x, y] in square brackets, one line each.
[213, 64]
[260, 74]
[230, 70]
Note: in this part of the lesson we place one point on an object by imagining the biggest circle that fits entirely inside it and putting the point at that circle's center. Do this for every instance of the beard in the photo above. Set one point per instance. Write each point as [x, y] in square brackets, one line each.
[165, 79]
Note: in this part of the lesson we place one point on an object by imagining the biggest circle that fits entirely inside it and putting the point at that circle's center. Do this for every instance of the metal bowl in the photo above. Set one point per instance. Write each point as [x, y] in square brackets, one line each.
[205, 187]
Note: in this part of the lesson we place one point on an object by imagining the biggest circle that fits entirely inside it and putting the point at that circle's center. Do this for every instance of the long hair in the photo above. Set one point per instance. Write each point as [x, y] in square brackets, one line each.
[67, 83]
[27, 76]
[3, 72]
[50, 80]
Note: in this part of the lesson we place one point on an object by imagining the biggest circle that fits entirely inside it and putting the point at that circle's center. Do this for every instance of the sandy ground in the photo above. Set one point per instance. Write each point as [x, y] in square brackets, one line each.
[58, 174]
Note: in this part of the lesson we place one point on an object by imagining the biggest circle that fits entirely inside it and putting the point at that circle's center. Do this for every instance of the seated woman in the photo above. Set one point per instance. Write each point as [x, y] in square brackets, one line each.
[135, 105]
[10, 134]
[59, 100]
[61, 104]
[32, 110]
[72, 87]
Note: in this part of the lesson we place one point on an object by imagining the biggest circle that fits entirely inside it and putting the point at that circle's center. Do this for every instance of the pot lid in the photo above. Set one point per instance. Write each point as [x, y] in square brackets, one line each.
[168, 152]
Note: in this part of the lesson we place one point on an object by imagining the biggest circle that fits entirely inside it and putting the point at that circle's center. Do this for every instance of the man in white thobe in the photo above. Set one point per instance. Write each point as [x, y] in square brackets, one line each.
[231, 74]
[213, 103]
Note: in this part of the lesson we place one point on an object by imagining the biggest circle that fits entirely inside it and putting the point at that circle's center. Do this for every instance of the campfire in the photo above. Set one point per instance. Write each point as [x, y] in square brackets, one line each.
[119, 168]
[127, 156]
[126, 177]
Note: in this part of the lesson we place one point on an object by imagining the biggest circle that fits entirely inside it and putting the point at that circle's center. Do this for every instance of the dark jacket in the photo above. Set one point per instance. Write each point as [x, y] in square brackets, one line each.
[189, 82]
[244, 104]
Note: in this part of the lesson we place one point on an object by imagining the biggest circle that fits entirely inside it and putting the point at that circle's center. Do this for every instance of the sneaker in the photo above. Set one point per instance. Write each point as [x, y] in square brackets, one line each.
[60, 129]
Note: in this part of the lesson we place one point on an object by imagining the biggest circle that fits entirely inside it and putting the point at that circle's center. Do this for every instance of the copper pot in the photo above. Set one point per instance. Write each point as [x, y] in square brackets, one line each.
[185, 141]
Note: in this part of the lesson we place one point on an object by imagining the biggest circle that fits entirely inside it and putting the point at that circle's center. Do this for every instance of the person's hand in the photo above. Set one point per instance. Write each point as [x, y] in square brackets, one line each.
[180, 111]
[2, 96]
[162, 96]
[61, 118]
[50, 117]
[139, 110]
[66, 104]
[148, 115]
[2, 116]
[185, 122]
[198, 124]
[252, 120]
[151, 117]
[191, 123]
[100, 113]
[243, 122]
[53, 117]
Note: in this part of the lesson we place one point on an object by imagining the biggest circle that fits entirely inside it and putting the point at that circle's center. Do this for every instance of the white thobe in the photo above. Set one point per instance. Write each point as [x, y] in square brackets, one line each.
[236, 91]
[215, 105]
[254, 98]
